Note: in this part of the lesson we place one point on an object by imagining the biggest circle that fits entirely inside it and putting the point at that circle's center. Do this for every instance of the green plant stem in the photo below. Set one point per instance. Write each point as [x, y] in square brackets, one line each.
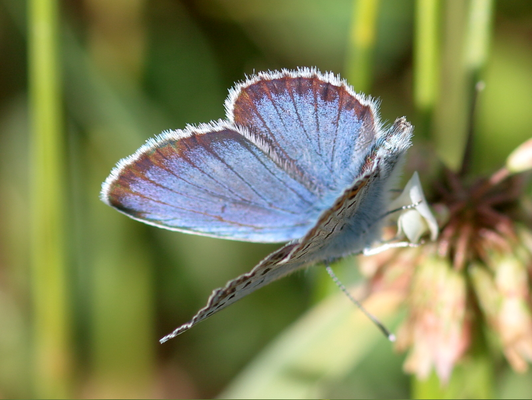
[426, 61]
[362, 44]
[51, 330]
[479, 26]
[478, 38]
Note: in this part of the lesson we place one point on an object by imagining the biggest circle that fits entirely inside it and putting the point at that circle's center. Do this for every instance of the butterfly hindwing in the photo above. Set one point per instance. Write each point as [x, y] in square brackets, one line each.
[212, 181]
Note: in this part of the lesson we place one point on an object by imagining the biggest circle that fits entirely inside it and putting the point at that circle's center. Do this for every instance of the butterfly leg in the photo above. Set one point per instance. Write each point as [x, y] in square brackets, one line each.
[387, 246]
[407, 207]
[384, 330]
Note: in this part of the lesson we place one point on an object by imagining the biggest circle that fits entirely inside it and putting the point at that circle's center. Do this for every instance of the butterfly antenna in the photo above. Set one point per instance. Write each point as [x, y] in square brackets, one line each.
[384, 330]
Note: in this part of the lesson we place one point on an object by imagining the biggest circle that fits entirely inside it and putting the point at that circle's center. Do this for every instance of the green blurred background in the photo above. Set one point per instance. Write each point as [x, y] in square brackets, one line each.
[88, 325]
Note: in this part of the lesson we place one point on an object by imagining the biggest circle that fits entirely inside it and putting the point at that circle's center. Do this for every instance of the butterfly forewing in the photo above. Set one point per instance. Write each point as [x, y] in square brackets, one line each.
[317, 122]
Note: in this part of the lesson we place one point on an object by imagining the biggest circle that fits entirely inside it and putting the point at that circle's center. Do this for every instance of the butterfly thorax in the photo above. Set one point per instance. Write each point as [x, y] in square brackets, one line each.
[349, 226]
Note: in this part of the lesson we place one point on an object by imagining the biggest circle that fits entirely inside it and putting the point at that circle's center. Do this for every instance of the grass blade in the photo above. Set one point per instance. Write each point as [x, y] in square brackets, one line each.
[51, 323]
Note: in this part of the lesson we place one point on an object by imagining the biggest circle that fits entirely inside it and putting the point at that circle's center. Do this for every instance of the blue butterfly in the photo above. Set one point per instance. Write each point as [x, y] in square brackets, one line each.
[301, 158]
